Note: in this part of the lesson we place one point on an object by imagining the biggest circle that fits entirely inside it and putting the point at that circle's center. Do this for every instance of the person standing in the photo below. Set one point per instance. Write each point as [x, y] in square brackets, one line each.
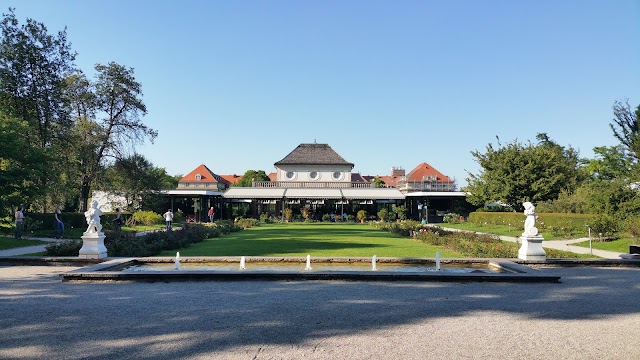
[211, 213]
[58, 230]
[19, 216]
[117, 222]
[168, 217]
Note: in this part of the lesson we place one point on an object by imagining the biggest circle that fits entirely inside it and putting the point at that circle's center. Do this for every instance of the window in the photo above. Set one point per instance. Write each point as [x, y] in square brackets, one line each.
[337, 175]
[313, 175]
[198, 177]
[290, 175]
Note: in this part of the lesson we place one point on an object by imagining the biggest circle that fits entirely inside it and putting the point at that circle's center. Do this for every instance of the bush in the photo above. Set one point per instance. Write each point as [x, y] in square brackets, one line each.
[264, 218]
[559, 224]
[605, 225]
[288, 213]
[633, 227]
[400, 212]
[362, 215]
[246, 223]
[147, 217]
[451, 218]
[326, 217]
[383, 215]
[350, 217]
[64, 248]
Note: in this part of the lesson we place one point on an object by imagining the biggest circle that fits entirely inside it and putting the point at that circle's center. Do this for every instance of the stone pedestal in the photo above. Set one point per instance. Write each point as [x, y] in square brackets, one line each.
[531, 248]
[93, 246]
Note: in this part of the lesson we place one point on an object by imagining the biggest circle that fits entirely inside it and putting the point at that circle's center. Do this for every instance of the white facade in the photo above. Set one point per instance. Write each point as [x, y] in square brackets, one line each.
[309, 173]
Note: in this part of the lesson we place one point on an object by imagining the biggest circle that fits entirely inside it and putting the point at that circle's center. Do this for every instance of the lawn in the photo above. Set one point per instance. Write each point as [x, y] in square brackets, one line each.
[620, 245]
[10, 243]
[315, 239]
[501, 230]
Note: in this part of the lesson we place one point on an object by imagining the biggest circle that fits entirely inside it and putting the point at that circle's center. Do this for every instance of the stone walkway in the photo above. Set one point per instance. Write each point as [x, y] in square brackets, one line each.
[28, 249]
[565, 245]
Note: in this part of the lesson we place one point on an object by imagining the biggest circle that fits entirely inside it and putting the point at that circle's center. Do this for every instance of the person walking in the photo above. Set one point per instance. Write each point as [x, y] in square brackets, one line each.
[168, 217]
[58, 230]
[19, 216]
[211, 213]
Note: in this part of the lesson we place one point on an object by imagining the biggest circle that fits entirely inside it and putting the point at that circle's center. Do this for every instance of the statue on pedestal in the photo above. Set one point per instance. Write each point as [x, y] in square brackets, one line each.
[93, 218]
[531, 248]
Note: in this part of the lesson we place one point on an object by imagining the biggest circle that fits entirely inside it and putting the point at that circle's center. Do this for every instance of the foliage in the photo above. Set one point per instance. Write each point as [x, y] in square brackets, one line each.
[515, 173]
[250, 176]
[610, 163]
[127, 244]
[632, 226]
[378, 183]
[246, 223]
[287, 214]
[451, 218]
[400, 211]
[606, 225]
[21, 165]
[264, 218]
[361, 215]
[306, 213]
[326, 217]
[351, 217]
[625, 127]
[383, 214]
[147, 217]
[558, 224]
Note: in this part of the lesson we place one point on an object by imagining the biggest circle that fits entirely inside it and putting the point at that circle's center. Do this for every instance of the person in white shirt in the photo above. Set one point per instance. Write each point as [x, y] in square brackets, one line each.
[19, 223]
[168, 217]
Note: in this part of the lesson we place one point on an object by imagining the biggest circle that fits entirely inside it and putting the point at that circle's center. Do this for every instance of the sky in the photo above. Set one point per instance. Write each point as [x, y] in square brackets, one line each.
[238, 85]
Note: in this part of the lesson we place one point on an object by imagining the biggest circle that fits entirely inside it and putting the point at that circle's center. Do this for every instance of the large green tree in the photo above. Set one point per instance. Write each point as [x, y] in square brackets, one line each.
[33, 68]
[516, 172]
[109, 112]
[250, 176]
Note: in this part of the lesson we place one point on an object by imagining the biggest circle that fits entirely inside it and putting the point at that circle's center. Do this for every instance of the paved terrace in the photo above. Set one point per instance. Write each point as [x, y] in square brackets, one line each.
[593, 314]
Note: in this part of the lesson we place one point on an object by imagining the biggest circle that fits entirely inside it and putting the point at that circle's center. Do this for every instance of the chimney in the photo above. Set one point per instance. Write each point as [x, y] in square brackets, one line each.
[397, 171]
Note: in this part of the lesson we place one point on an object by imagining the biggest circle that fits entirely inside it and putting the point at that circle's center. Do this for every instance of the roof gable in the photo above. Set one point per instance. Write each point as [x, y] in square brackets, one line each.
[201, 174]
[313, 154]
[420, 172]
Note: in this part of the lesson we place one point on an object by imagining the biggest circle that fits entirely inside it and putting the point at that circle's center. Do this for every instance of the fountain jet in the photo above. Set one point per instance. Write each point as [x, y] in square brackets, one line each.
[242, 263]
[373, 263]
[177, 260]
[438, 260]
[308, 267]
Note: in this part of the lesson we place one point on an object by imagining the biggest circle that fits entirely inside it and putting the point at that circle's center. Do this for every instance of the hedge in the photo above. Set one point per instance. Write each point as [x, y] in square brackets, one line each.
[70, 219]
[555, 223]
[127, 244]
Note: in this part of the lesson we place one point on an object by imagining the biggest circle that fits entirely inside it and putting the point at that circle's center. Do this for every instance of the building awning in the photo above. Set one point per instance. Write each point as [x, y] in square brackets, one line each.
[301, 193]
[436, 194]
[191, 192]
[254, 193]
[373, 193]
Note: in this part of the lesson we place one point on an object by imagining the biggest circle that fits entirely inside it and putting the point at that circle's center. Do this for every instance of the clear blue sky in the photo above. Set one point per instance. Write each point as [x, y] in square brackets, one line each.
[237, 85]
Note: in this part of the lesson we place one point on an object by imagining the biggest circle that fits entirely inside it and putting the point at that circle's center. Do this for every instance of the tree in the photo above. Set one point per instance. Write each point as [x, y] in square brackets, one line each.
[610, 163]
[250, 176]
[33, 67]
[378, 183]
[625, 127]
[515, 173]
[21, 165]
[109, 124]
[137, 180]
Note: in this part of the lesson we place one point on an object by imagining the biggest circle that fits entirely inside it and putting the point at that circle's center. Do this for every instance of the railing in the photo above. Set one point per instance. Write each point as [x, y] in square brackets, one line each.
[311, 184]
[427, 186]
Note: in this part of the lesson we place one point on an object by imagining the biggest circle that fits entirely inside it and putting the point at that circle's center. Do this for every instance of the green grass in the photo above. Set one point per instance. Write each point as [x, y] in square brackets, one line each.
[500, 230]
[620, 245]
[10, 243]
[316, 239]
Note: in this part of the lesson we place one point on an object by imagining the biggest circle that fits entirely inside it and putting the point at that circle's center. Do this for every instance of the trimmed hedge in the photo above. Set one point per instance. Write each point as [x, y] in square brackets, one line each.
[127, 244]
[71, 219]
[559, 224]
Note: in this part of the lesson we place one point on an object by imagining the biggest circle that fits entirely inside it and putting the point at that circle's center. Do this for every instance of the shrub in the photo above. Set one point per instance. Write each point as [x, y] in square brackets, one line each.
[351, 217]
[383, 214]
[147, 217]
[246, 223]
[64, 248]
[361, 215]
[288, 213]
[633, 227]
[557, 223]
[451, 218]
[264, 218]
[605, 225]
[400, 212]
[326, 217]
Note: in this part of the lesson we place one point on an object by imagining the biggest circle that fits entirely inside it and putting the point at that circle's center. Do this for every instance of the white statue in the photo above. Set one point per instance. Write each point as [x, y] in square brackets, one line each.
[93, 218]
[530, 223]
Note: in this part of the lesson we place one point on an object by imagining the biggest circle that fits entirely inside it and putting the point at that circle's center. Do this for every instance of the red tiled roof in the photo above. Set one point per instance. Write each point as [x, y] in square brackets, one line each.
[231, 179]
[419, 173]
[389, 180]
[273, 176]
[207, 176]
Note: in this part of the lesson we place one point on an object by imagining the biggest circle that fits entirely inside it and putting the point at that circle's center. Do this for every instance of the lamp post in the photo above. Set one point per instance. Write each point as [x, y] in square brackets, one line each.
[590, 246]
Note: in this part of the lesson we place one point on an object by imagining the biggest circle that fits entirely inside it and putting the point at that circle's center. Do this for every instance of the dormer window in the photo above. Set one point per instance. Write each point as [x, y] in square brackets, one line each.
[198, 177]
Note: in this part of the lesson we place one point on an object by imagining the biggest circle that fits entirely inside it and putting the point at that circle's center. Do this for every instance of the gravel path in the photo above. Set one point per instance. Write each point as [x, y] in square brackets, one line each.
[593, 314]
